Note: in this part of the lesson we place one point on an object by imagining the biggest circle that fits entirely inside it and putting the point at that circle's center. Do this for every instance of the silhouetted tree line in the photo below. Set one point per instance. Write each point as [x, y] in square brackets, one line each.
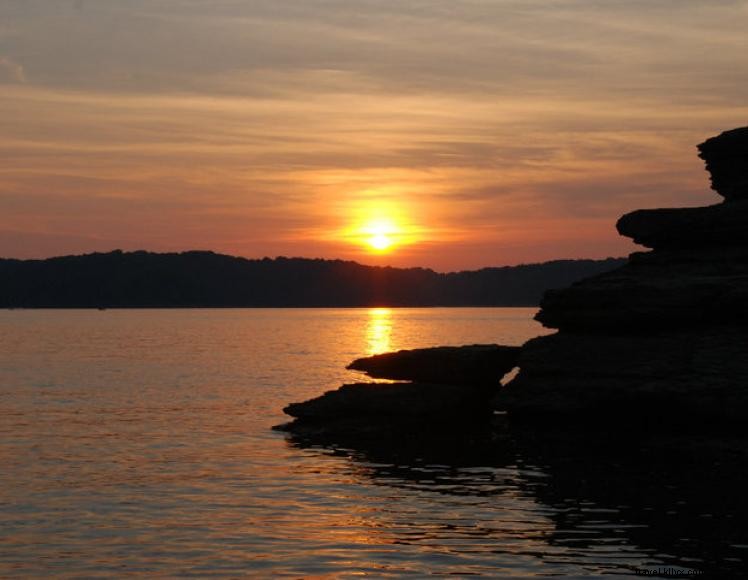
[206, 279]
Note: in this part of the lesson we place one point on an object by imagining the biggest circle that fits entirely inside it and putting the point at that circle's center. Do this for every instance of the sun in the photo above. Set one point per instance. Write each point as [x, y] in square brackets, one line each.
[379, 227]
[380, 242]
[380, 234]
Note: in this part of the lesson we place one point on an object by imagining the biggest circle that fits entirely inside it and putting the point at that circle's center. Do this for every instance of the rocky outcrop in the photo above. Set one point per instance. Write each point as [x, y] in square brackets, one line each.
[447, 385]
[393, 400]
[665, 334]
[655, 292]
[478, 364]
[688, 227]
[668, 331]
[725, 156]
[694, 375]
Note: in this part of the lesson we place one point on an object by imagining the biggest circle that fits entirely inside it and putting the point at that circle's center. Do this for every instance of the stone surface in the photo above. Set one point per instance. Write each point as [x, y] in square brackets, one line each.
[370, 401]
[688, 227]
[449, 385]
[479, 364]
[726, 157]
[652, 294]
[667, 333]
[701, 375]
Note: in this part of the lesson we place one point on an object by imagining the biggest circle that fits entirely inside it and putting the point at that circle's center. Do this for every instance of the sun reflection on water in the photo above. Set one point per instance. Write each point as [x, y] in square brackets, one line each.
[378, 331]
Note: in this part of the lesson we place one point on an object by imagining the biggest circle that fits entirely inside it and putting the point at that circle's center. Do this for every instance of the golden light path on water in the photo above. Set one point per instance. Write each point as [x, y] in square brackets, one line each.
[379, 331]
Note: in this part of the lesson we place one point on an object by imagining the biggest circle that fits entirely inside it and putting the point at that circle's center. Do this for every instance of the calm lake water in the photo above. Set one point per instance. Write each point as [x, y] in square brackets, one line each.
[140, 442]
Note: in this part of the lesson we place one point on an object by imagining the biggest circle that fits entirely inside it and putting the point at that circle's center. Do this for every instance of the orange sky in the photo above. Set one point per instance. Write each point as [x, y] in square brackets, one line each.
[489, 132]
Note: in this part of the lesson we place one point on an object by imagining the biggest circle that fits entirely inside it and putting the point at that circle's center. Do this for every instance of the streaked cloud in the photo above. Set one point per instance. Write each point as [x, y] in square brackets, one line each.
[10, 71]
[509, 130]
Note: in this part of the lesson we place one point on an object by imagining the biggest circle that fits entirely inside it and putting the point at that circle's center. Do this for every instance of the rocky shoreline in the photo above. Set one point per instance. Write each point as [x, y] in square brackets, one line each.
[436, 386]
[667, 333]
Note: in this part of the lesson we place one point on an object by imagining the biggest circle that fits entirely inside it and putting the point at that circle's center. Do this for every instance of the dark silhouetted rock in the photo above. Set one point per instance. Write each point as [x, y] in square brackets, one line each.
[479, 364]
[688, 227]
[449, 384]
[726, 157]
[388, 401]
[667, 333]
[702, 376]
[655, 292]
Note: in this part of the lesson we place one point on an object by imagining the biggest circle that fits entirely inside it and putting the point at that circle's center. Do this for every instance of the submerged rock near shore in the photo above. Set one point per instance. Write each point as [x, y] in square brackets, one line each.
[666, 332]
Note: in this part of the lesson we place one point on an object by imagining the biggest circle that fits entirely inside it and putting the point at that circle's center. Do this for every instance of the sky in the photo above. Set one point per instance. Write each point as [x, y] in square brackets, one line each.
[458, 133]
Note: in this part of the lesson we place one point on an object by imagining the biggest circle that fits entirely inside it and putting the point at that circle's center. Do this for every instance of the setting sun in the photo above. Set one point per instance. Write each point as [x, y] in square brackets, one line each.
[380, 227]
[381, 234]
[380, 242]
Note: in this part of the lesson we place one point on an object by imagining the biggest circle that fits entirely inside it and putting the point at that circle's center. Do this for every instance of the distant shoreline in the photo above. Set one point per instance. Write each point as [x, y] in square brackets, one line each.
[128, 280]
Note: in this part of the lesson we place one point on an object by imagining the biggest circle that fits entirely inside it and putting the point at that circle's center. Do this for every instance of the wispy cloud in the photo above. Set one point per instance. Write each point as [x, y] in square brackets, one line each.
[10, 71]
[251, 127]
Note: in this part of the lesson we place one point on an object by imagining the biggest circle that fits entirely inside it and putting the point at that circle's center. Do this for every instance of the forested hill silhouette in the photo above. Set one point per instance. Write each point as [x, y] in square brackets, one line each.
[205, 279]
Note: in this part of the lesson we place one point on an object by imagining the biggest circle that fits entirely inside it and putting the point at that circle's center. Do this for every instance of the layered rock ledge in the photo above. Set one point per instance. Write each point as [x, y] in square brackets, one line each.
[445, 385]
[665, 333]
[725, 156]
[477, 364]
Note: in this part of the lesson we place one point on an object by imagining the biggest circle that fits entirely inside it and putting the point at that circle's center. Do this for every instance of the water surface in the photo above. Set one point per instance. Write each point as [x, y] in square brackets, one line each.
[140, 442]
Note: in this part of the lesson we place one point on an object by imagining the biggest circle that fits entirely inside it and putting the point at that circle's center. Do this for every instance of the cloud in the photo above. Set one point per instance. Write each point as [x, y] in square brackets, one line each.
[502, 48]
[10, 71]
[243, 126]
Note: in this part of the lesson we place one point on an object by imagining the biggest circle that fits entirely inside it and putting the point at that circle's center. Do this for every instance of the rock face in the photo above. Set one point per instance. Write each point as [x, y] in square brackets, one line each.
[478, 364]
[725, 157]
[376, 400]
[668, 331]
[449, 385]
[688, 227]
